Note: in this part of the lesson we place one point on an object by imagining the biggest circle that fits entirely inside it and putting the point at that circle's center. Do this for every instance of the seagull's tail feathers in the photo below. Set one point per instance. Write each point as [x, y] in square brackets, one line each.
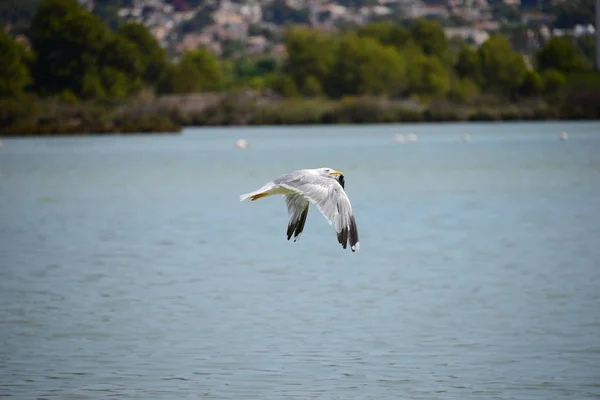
[257, 194]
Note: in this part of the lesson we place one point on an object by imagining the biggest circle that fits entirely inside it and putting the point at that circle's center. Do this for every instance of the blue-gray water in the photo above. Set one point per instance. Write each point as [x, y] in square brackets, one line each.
[129, 268]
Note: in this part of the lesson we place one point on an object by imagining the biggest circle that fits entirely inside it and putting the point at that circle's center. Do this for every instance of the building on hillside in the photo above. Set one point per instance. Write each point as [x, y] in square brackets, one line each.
[256, 45]
[473, 35]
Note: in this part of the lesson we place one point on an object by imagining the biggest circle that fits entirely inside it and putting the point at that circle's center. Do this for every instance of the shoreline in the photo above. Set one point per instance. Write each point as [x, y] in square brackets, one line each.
[180, 132]
[170, 115]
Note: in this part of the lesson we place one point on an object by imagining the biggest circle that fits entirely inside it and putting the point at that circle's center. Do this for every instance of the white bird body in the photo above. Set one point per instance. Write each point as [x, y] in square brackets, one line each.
[323, 187]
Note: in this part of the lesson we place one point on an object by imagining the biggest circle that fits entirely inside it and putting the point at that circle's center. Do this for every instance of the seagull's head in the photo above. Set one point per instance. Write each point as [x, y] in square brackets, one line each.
[329, 172]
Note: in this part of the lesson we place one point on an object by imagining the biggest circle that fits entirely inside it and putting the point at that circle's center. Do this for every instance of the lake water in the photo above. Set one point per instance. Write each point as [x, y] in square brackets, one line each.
[129, 268]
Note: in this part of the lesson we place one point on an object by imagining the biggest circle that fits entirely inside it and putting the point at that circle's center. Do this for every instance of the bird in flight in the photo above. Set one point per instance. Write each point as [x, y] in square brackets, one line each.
[324, 187]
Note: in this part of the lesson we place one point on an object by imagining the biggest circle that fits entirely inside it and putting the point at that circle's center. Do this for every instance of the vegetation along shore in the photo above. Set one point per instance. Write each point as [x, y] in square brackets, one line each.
[68, 72]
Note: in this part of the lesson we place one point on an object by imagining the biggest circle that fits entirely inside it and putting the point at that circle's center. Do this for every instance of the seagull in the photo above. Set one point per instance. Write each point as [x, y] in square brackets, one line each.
[324, 187]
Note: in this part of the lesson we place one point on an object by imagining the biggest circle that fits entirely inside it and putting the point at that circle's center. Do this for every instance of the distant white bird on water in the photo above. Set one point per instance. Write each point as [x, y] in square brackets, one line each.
[242, 144]
[324, 187]
[412, 138]
[466, 138]
[399, 138]
[564, 136]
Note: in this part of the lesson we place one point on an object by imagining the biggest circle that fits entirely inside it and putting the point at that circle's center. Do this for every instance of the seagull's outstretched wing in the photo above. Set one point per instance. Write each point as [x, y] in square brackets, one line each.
[298, 210]
[329, 197]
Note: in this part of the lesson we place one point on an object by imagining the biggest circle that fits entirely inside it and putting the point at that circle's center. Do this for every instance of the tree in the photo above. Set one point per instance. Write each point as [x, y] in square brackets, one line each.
[14, 73]
[244, 67]
[121, 68]
[198, 71]
[266, 65]
[500, 68]
[462, 89]
[554, 81]
[312, 87]
[366, 67]
[76, 52]
[248, 67]
[68, 42]
[310, 53]
[430, 37]
[386, 33]
[152, 58]
[467, 63]
[587, 46]
[282, 84]
[532, 84]
[427, 77]
[560, 54]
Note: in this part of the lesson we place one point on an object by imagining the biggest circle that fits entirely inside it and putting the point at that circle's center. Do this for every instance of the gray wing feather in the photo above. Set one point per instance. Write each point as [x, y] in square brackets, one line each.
[331, 200]
[298, 210]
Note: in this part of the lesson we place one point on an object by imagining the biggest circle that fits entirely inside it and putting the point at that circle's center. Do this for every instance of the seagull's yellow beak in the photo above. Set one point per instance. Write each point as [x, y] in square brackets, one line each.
[335, 173]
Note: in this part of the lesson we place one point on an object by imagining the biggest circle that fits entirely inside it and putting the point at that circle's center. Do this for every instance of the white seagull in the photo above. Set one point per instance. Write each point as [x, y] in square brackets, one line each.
[323, 187]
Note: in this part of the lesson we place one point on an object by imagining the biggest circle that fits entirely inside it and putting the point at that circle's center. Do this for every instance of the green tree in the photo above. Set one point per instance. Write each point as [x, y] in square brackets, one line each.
[560, 54]
[310, 53]
[266, 65]
[366, 67]
[282, 84]
[386, 33]
[500, 68]
[467, 63]
[77, 53]
[312, 87]
[430, 37]
[427, 77]
[68, 42]
[532, 84]
[244, 67]
[14, 70]
[198, 71]
[587, 46]
[463, 89]
[554, 81]
[249, 67]
[152, 58]
[120, 68]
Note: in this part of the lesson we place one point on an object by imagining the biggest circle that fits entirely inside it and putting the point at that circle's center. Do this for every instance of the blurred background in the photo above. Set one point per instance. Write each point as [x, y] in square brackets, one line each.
[159, 65]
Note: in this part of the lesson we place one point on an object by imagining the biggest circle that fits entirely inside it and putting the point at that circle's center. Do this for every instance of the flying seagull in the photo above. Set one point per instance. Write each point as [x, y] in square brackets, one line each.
[323, 187]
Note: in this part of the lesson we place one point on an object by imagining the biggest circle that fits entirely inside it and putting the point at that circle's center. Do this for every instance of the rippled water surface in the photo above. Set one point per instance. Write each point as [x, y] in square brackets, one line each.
[129, 268]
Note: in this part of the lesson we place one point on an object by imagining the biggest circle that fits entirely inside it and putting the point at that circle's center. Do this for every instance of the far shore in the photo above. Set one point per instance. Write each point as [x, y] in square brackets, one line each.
[170, 114]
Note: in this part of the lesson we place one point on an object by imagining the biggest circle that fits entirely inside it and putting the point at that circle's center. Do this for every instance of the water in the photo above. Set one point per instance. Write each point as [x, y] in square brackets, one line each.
[128, 267]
